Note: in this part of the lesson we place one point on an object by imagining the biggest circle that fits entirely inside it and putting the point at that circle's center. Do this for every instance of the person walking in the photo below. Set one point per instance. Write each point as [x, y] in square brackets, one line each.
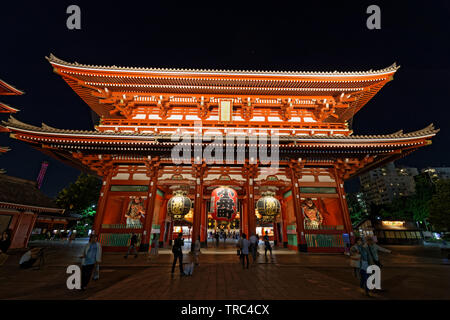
[355, 258]
[373, 249]
[196, 252]
[363, 265]
[92, 256]
[133, 242]
[154, 246]
[253, 246]
[5, 243]
[178, 253]
[267, 245]
[216, 235]
[245, 244]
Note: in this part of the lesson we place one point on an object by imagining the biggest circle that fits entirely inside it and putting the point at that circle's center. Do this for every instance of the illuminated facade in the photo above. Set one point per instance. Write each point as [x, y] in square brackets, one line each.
[223, 121]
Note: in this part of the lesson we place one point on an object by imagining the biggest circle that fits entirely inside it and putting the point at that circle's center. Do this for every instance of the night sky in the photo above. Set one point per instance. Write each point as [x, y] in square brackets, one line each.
[319, 36]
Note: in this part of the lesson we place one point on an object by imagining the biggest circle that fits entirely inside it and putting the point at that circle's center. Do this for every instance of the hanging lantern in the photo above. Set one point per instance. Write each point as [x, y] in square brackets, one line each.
[189, 217]
[179, 205]
[224, 204]
[268, 206]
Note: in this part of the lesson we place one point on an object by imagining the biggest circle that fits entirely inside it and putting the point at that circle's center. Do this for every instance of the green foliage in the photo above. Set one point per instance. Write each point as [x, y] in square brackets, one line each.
[356, 211]
[414, 208]
[80, 195]
[440, 206]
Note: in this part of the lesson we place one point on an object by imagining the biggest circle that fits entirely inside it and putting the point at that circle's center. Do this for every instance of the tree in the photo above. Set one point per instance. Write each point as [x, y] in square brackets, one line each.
[80, 195]
[440, 206]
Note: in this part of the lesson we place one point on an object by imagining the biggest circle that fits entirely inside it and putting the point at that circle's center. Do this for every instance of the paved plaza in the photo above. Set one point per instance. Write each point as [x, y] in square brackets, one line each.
[410, 272]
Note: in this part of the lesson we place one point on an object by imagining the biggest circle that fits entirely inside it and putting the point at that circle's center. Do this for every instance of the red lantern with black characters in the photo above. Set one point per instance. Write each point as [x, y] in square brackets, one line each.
[224, 204]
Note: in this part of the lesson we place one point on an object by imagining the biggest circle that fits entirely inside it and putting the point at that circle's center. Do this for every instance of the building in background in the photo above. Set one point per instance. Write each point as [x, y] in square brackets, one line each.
[390, 231]
[21, 202]
[436, 173]
[382, 185]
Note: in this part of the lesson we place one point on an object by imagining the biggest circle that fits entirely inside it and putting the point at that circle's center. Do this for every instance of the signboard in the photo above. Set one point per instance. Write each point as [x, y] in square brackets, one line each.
[225, 109]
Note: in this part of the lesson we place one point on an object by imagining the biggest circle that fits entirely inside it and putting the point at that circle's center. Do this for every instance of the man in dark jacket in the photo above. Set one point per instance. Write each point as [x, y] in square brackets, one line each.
[178, 253]
[133, 242]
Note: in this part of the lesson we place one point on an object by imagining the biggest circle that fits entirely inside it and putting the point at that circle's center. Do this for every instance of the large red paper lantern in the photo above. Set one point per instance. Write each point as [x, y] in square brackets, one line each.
[224, 204]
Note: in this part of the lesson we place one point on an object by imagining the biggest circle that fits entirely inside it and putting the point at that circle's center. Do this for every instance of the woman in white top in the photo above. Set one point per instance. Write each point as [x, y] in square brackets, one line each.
[245, 244]
[197, 250]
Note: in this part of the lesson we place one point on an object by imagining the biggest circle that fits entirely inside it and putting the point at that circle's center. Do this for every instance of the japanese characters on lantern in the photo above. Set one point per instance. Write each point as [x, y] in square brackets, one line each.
[268, 206]
[224, 204]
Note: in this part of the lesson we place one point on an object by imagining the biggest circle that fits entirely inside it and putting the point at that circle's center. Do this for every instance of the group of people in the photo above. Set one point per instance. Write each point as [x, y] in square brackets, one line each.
[250, 246]
[362, 255]
[223, 235]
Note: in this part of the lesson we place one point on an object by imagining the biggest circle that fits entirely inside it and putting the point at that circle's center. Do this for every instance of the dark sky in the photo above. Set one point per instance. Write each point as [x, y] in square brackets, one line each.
[319, 36]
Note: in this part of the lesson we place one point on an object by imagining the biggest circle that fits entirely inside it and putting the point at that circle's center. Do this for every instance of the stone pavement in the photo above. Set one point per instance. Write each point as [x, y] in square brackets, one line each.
[409, 273]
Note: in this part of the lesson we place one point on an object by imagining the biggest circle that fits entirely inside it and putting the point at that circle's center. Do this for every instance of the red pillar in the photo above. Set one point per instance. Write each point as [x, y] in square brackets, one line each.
[162, 221]
[284, 224]
[170, 233]
[149, 212]
[344, 207]
[251, 207]
[204, 224]
[198, 204]
[102, 203]
[301, 243]
[244, 218]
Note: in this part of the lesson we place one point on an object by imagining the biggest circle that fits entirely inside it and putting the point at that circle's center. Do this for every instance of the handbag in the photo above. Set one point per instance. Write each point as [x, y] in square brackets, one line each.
[238, 251]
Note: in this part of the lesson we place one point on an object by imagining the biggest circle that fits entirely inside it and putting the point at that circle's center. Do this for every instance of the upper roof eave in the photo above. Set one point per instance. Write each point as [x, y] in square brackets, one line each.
[199, 72]
[13, 123]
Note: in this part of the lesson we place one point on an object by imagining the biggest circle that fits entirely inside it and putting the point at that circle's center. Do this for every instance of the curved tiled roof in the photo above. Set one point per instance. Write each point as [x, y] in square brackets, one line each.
[392, 68]
[23, 192]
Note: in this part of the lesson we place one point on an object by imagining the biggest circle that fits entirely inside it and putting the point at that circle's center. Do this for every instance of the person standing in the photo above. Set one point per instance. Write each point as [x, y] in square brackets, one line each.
[267, 245]
[373, 249]
[253, 246]
[363, 265]
[92, 255]
[216, 235]
[355, 258]
[178, 253]
[154, 246]
[133, 242]
[245, 245]
[5, 243]
[224, 238]
[197, 246]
